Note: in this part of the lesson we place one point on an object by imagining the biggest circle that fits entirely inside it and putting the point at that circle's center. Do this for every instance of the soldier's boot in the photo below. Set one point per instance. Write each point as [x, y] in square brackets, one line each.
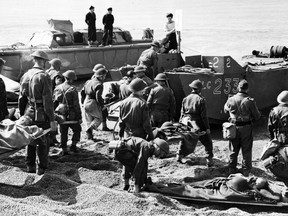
[105, 128]
[179, 158]
[209, 162]
[64, 151]
[89, 134]
[40, 171]
[73, 147]
[126, 185]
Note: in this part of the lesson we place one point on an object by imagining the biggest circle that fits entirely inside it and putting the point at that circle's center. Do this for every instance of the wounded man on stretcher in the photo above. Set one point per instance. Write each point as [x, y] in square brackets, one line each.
[235, 187]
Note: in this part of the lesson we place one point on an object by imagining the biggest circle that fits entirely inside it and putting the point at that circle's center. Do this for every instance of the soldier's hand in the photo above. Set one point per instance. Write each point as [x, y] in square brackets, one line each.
[53, 126]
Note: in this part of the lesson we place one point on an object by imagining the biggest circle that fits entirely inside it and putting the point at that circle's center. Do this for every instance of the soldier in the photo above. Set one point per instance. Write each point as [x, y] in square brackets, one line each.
[54, 72]
[149, 59]
[36, 92]
[194, 108]
[242, 110]
[66, 95]
[161, 102]
[124, 87]
[140, 73]
[3, 99]
[134, 153]
[277, 121]
[94, 102]
[134, 117]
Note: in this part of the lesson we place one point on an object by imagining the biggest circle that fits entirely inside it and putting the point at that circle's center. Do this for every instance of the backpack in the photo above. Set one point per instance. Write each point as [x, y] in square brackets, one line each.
[229, 130]
[63, 107]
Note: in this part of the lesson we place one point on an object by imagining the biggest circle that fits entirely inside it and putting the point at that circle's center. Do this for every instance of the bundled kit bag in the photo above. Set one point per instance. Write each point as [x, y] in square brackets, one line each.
[229, 130]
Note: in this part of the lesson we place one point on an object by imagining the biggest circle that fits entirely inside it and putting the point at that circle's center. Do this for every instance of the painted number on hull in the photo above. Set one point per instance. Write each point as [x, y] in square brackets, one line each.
[229, 85]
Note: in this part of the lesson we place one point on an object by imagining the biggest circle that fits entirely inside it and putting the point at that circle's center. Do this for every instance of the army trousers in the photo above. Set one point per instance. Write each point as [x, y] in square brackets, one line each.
[243, 141]
[76, 128]
[158, 117]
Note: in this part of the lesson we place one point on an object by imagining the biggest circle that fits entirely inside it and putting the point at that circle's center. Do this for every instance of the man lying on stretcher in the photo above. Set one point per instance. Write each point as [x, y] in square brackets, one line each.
[235, 187]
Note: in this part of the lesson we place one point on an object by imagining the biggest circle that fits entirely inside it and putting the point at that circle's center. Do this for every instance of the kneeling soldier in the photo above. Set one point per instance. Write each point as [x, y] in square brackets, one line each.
[133, 153]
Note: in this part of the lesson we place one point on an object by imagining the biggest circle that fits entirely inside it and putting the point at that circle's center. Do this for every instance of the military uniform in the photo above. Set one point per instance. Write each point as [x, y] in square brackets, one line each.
[93, 103]
[194, 106]
[243, 111]
[133, 153]
[36, 92]
[90, 20]
[55, 76]
[162, 103]
[124, 91]
[148, 59]
[134, 118]
[3, 101]
[73, 112]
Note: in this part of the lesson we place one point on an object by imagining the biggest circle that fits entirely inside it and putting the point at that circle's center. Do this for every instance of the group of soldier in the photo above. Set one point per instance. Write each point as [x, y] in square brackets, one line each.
[48, 97]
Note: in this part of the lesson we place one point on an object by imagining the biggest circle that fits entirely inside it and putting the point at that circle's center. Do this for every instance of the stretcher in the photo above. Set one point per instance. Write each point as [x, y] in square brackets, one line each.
[229, 202]
[14, 137]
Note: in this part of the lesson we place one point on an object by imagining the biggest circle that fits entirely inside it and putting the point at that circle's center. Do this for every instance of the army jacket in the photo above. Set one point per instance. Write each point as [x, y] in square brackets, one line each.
[94, 89]
[242, 108]
[162, 98]
[194, 105]
[277, 121]
[72, 99]
[148, 58]
[134, 114]
[3, 100]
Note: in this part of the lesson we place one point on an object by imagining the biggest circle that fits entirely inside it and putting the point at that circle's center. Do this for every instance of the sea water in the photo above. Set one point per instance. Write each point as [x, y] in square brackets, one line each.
[208, 27]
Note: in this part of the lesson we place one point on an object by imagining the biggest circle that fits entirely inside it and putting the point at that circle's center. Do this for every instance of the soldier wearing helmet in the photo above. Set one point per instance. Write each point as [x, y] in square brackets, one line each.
[66, 94]
[54, 72]
[194, 109]
[148, 59]
[140, 73]
[242, 110]
[124, 90]
[161, 102]
[94, 102]
[36, 94]
[134, 118]
[134, 153]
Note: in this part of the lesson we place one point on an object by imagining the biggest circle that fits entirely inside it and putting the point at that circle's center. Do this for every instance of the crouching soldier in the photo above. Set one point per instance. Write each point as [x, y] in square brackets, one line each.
[66, 96]
[133, 153]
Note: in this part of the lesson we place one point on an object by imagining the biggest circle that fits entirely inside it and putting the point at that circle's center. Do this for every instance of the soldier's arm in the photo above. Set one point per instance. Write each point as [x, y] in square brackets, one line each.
[47, 97]
[122, 125]
[150, 99]
[272, 123]
[254, 110]
[146, 123]
[98, 96]
[76, 105]
[204, 114]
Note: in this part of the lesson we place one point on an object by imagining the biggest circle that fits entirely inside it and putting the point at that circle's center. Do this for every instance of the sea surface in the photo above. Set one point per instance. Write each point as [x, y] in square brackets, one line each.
[208, 27]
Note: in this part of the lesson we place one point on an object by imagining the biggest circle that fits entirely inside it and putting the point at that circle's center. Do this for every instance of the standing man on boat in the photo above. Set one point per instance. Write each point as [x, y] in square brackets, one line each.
[195, 111]
[108, 21]
[36, 94]
[3, 99]
[134, 118]
[242, 110]
[161, 102]
[149, 59]
[90, 19]
[94, 103]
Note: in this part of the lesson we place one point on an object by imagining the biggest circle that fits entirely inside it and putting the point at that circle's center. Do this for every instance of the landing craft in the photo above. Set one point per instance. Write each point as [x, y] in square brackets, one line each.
[71, 47]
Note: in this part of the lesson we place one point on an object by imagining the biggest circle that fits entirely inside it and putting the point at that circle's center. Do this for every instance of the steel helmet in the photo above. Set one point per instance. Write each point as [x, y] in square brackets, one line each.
[137, 85]
[139, 69]
[98, 66]
[40, 54]
[261, 183]
[70, 74]
[160, 77]
[168, 125]
[196, 84]
[162, 144]
[238, 183]
[56, 62]
[156, 44]
[100, 72]
[243, 85]
[283, 97]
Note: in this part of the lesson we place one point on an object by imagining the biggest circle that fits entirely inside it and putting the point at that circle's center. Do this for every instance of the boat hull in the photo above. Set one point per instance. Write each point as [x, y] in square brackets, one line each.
[82, 59]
